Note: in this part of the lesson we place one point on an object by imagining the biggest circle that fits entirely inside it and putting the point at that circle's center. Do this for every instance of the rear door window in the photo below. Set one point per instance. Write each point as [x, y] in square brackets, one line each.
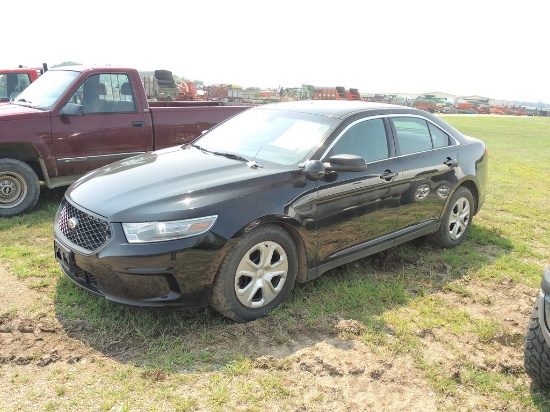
[418, 135]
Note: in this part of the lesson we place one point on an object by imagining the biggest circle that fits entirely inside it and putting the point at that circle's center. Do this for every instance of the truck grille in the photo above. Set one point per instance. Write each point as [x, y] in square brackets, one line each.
[82, 229]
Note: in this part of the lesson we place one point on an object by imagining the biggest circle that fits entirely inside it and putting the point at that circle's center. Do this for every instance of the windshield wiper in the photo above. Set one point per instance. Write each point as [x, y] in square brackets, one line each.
[231, 156]
[196, 146]
[228, 155]
[251, 163]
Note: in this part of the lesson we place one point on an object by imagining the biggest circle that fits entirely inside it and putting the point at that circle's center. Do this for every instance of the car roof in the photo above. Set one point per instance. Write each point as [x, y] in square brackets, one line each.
[333, 108]
[342, 109]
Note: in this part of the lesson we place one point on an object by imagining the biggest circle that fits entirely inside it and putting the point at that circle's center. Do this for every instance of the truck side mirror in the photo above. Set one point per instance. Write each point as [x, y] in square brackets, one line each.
[72, 109]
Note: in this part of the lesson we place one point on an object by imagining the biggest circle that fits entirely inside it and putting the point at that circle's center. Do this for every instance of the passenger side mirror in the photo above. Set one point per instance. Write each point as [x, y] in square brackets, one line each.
[72, 109]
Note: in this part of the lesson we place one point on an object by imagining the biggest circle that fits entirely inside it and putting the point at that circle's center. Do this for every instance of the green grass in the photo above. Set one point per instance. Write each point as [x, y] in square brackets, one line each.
[191, 360]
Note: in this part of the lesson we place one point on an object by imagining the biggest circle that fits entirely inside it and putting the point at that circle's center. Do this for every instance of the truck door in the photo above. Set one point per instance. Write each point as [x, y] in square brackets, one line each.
[113, 126]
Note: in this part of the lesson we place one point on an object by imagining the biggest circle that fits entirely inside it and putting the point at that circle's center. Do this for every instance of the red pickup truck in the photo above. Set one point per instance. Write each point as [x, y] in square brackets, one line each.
[74, 119]
[14, 81]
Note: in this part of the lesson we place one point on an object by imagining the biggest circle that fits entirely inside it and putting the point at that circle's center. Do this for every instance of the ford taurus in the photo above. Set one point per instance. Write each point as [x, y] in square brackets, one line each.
[278, 194]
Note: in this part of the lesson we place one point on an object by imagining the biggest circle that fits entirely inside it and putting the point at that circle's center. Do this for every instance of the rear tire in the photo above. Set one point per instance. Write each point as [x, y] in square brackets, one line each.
[457, 221]
[19, 187]
[536, 355]
[257, 274]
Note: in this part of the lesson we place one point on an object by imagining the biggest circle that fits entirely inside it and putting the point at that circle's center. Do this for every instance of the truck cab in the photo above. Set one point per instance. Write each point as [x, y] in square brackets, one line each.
[14, 81]
[75, 119]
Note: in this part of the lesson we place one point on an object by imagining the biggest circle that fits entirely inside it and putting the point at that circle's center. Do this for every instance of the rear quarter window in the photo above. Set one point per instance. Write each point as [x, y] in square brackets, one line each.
[439, 137]
[418, 135]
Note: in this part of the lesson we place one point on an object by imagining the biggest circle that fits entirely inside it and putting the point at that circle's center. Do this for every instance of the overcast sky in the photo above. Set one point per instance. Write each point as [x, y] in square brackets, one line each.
[495, 49]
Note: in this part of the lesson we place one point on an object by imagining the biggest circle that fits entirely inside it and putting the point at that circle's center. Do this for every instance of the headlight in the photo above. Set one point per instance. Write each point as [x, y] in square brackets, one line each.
[160, 231]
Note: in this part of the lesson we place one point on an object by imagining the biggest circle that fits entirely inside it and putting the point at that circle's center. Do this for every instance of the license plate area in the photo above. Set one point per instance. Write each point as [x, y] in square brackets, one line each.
[65, 257]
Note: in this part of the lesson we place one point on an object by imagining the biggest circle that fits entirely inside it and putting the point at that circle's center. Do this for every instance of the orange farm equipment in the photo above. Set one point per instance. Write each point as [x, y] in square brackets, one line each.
[335, 93]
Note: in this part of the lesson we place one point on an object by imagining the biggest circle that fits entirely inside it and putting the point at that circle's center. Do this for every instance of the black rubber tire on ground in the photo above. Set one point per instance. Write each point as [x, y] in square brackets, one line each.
[257, 274]
[19, 187]
[536, 354]
[457, 220]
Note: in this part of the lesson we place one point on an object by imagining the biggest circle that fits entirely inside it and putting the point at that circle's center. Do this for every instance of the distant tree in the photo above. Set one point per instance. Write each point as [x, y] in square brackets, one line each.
[66, 64]
[198, 82]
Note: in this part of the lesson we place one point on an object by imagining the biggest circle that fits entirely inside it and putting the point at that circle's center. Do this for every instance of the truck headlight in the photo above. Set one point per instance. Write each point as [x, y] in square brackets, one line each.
[146, 232]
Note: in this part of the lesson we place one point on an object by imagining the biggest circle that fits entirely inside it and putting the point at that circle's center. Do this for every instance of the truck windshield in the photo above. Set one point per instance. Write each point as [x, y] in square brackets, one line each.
[45, 91]
[11, 84]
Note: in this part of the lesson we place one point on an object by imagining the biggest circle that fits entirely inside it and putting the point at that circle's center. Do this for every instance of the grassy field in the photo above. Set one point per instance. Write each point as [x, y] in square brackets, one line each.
[450, 321]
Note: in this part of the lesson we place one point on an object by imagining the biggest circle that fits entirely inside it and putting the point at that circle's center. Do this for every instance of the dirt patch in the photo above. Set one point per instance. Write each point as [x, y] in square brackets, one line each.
[328, 364]
[28, 336]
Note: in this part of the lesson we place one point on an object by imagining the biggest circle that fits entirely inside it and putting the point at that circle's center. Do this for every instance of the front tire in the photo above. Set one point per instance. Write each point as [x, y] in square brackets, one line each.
[19, 187]
[257, 274]
[536, 355]
[457, 220]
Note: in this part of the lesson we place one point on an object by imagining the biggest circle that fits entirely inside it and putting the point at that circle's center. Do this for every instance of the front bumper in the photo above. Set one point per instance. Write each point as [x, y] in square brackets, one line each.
[172, 274]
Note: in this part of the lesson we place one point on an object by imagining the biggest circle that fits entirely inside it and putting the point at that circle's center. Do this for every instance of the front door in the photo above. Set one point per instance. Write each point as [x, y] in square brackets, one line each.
[354, 208]
[112, 127]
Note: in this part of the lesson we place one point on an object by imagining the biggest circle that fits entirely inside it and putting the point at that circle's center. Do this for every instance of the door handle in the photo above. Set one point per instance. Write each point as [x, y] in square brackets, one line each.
[450, 162]
[388, 175]
[138, 124]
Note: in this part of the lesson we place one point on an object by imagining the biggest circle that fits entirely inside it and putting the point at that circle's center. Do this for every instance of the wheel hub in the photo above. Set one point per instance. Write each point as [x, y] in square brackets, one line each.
[460, 216]
[7, 188]
[261, 274]
[12, 190]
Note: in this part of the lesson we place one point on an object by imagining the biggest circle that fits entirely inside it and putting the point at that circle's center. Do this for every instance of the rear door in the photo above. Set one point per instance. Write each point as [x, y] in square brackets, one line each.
[429, 159]
[112, 127]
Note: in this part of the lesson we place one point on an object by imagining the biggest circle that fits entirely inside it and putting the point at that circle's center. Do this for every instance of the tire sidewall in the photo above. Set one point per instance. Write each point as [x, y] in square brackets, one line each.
[536, 350]
[31, 180]
[228, 271]
[443, 237]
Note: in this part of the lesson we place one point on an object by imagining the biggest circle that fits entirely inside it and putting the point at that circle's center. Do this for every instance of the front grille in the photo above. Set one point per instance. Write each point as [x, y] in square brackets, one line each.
[89, 232]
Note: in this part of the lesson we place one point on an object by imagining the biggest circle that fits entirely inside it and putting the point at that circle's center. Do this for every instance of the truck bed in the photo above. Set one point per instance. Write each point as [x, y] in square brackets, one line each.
[173, 126]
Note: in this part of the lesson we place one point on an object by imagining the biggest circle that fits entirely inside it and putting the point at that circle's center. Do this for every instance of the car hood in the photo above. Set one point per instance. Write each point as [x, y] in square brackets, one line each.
[174, 183]
[15, 111]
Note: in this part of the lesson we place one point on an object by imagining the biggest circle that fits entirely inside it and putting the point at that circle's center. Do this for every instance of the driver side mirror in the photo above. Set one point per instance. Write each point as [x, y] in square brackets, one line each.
[346, 163]
[72, 109]
[316, 170]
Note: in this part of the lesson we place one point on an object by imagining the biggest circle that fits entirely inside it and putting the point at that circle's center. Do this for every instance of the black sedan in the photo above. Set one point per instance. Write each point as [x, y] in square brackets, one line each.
[278, 194]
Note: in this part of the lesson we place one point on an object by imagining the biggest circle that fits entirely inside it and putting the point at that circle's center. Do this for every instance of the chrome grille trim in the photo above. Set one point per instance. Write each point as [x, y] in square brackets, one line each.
[90, 233]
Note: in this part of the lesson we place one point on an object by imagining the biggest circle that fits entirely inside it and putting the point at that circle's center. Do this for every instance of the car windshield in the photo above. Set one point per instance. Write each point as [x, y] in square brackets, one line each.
[263, 134]
[45, 91]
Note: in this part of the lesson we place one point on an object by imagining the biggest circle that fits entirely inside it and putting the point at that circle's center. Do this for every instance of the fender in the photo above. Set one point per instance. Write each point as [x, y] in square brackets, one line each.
[25, 135]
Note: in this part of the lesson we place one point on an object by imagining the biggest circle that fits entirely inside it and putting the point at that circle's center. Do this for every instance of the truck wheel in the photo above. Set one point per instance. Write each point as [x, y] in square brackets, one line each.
[457, 220]
[19, 187]
[536, 355]
[256, 275]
